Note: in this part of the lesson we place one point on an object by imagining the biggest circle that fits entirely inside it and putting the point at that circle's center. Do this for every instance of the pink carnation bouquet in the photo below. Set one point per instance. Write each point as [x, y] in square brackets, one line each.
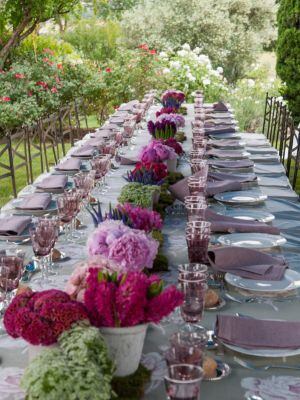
[141, 218]
[131, 249]
[41, 317]
[123, 300]
[156, 151]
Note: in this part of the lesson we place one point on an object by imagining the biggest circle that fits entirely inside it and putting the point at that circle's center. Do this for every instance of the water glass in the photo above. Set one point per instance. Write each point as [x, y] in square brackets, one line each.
[199, 165]
[11, 272]
[197, 185]
[192, 308]
[197, 237]
[194, 200]
[196, 211]
[183, 382]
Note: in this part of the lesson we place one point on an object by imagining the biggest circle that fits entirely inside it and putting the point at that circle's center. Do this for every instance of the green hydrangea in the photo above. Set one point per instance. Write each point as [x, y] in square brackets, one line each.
[79, 369]
[138, 194]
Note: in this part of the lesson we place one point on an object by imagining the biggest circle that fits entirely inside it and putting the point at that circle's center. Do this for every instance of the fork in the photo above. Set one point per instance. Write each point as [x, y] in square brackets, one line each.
[249, 365]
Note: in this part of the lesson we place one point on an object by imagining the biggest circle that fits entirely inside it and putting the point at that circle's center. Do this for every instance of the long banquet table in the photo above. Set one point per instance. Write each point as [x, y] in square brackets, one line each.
[282, 202]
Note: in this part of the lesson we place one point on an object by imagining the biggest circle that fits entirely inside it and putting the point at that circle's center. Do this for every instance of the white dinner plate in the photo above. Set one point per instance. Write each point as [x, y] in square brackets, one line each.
[252, 240]
[250, 215]
[264, 352]
[241, 197]
[290, 281]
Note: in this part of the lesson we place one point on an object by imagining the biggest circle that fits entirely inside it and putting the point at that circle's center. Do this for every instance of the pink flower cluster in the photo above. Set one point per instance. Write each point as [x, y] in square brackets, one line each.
[41, 317]
[128, 299]
[172, 142]
[178, 119]
[156, 151]
[142, 218]
[130, 248]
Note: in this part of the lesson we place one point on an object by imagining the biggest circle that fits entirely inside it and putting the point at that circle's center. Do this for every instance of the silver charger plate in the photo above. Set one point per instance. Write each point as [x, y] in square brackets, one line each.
[231, 135]
[252, 240]
[241, 197]
[290, 281]
[239, 145]
[233, 170]
[250, 215]
[230, 154]
[263, 352]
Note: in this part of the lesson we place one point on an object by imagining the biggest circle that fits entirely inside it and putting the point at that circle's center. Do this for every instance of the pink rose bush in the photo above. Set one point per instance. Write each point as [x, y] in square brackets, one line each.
[131, 249]
[123, 300]
[156, 151]
[41, 317]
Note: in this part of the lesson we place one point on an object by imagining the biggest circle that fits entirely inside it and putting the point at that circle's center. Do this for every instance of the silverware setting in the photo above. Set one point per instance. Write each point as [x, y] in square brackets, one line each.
[249, 365]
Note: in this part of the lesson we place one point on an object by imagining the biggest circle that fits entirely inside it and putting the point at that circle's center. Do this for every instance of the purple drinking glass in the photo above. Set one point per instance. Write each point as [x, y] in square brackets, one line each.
[192, 308]
[183, 382]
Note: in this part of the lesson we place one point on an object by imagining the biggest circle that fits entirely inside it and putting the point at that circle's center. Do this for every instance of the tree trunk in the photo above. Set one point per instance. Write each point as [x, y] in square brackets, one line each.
[14, 39]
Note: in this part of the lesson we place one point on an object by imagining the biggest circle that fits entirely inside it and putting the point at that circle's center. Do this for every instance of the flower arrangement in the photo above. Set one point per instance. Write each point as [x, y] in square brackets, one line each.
[130, 248]
[178, 119]
[176, 146]
[142, 218]
[130, 299]
[156, 151]
[148, 173]
[173, 98]
[41, 317]
[165, 110]
[163, 128]
[138, 194]
[79, 369]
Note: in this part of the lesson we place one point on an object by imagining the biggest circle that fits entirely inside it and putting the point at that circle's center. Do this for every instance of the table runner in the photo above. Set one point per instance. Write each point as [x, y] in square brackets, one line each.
[287, 214]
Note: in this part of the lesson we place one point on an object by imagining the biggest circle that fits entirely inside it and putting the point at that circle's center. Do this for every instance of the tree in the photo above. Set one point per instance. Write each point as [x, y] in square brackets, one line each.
[19, 18]
[288, 52]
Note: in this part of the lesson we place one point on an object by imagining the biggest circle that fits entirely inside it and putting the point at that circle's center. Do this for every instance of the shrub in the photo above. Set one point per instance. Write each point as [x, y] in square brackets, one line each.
[288, 55]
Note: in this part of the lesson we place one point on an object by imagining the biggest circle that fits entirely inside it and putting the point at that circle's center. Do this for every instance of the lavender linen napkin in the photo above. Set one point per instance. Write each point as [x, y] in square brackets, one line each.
[215, 123]
[220, 106]
[219, 129]
[247, 263]
[53, 182]
[224, 143]
[84, 151]
[117, 120]
[222, 176]
[224, 224]
[180, 189]
[224, 153]
[13, 225]
[252, 333]
[232, 164]
[127, 160]
[95, 142]
[35, 201]
[69, 165]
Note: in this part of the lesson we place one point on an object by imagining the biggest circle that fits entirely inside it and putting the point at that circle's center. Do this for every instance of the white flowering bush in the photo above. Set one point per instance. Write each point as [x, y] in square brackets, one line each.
[247, 98]
[189, 70]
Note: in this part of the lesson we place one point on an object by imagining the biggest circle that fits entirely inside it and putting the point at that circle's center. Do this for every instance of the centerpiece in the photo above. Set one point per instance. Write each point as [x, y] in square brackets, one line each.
[41, 317]
[157, 151]
[131, 249]
[122, 305]
[139, 194]
[173, 98]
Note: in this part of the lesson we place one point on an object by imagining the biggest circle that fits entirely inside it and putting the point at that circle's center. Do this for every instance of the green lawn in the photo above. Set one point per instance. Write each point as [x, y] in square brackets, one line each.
[6, 190]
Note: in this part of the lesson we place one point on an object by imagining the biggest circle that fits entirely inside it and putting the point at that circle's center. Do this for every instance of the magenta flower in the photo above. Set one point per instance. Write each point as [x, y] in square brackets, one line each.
[156, 151]
[142, 218]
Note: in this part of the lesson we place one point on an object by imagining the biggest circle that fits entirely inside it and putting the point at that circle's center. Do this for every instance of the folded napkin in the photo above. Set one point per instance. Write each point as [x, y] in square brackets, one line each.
[13, 225]
[117, 120]
[227, 185]
[224, 224]
[84, 151]
[220, 129]
[35, 201]
[180, 189]
[53, 182]
[220, 106]
[110, 126]
[69, 165]
[214, 123]
[102, 134]
[252, 333]
[95, 142]
[224, 143]
[232, 164]
[223, 176]
[224, 153]
[247, 263]
[127, 160]
[128, 106]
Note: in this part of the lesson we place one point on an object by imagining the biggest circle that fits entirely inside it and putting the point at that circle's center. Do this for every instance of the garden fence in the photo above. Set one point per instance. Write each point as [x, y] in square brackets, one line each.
[45, 141]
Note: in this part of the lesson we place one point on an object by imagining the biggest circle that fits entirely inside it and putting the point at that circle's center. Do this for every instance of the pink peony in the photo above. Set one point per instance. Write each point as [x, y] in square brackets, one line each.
[134, 251]
[156, 151]
[104, 236]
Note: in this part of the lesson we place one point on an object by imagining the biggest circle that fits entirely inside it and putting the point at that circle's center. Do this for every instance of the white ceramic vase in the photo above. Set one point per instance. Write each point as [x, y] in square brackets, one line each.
[125, 346]
[172, 165]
